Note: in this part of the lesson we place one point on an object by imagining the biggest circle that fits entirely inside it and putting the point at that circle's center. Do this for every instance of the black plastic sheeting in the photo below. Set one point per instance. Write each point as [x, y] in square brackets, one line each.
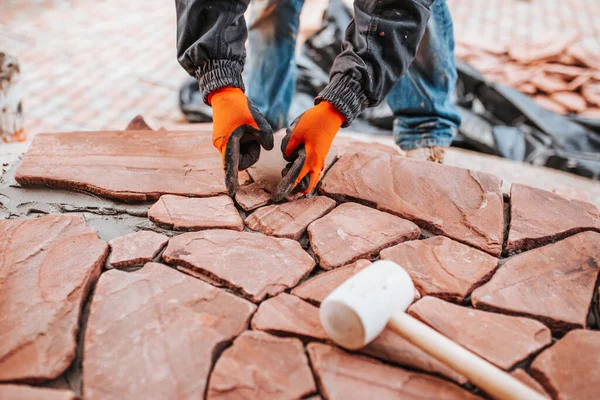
[497, 119]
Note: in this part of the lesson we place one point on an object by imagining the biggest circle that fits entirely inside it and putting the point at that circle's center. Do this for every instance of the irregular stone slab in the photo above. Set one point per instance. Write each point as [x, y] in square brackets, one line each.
[165, 327]
[524, 377]
[345, 376]
[255, 265]
[571, 368]
[132, 166]
[252, 196]
[442, 267]
[346, 146]
[47, 267]
[464, 205]
[353, 231]
[185, 213]
[538, 217]
[315, 289]
[23, 392]
[553, 284]
[262, 366]
[136, 248]
[289, 220]
[287, 314]
[501, 339]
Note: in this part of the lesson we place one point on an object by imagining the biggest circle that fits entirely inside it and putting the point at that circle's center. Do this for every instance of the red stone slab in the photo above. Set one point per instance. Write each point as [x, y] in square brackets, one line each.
[538, 217]
[547, 49]
[135, 248]
[464, 205]
[591, 93]
[23, 392]
[549, 104]
[549, 84]
[524, 377]
[262, 366]
[255, 265]
[153, 333]
[315, 289]
[501, 339]
[289, 220]
[353, 231]
[185, 213]
[442, 267]
[571, 368]
[554, 284]
[344, 376]
[47, 268]
[347, 146]
[570, 100]
[289, 315]
[252, 196]
[133, 166]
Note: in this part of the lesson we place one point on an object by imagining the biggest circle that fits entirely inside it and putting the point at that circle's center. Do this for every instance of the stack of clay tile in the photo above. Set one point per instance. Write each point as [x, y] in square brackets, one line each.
[559, 70]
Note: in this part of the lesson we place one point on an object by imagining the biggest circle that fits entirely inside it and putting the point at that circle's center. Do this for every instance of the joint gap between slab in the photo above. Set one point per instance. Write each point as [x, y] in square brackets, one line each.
[593, 317]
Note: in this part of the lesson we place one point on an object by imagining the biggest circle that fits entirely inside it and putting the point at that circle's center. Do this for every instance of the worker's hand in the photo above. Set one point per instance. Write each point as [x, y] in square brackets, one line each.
[239, 130]
[306, 145]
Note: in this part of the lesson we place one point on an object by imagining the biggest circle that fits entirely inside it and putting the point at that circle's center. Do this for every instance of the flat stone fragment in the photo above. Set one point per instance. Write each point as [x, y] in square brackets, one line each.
[153, 334]
[136, 248]
[315, 289]
[571, 368]
[289, 315]
[501, 339]
[346, 146]
[344, 376]
[538, 217]
[47, 268]
[133, 166]
[262, 366]
[353, 231]
[553, 284]
[23, 392]
[464, 205]
[255, 265]
[289, 220]
[524, 377]
[252, 196]
[442, 267]
[185, 213]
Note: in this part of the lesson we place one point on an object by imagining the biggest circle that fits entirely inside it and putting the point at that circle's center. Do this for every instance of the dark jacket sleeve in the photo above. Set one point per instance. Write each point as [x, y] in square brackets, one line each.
[211, 35]
[380, 44]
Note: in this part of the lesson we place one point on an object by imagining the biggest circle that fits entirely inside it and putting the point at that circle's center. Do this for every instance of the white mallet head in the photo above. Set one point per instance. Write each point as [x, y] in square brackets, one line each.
[359, 309]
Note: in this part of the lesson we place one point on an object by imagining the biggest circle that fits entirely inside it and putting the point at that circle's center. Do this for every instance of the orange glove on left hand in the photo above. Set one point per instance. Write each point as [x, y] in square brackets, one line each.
[312, 132]
[239, 131]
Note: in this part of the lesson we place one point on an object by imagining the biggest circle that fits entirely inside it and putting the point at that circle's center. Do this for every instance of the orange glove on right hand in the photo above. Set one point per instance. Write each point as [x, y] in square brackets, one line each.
[313, 132]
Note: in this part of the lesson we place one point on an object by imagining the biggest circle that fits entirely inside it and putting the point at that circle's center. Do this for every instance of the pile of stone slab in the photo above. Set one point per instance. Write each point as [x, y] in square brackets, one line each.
[560, 71]
[219, 298]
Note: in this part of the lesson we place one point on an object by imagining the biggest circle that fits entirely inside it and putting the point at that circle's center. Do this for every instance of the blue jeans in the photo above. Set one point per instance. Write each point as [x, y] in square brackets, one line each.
[420, 101]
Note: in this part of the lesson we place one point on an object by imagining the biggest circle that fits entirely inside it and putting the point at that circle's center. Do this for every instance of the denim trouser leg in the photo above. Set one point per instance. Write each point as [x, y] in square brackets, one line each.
[421, 100]
[270, 78]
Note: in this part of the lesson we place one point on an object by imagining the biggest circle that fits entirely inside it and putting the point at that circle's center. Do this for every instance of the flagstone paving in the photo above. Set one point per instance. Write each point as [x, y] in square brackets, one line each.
[242, 318]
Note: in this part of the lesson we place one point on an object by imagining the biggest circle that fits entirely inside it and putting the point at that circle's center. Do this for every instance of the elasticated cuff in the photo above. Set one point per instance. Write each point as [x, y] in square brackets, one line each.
[217, 74]
[346, 94]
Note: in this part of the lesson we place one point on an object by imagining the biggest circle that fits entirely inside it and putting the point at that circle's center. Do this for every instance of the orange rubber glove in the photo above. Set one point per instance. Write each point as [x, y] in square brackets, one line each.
[313, 133]
[239, 131]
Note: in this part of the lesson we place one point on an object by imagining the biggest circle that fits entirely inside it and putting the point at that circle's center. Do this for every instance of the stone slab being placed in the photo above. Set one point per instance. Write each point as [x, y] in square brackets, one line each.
[47, 267]
[153, 334]
[23, 392]
[538, 217]
[315, 289]
[136, 248]
[132, 166]
[255, 265]
[464, 205]
[262, 366]
[193, 214]
[570, 369]
[289, 220]
[554, 284]
[252, 196]
[442, 267]
[501, 339]
[344, 376]
[353, 231]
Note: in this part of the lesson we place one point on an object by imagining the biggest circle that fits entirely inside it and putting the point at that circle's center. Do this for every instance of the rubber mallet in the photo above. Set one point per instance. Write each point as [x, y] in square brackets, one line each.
[377, 297]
